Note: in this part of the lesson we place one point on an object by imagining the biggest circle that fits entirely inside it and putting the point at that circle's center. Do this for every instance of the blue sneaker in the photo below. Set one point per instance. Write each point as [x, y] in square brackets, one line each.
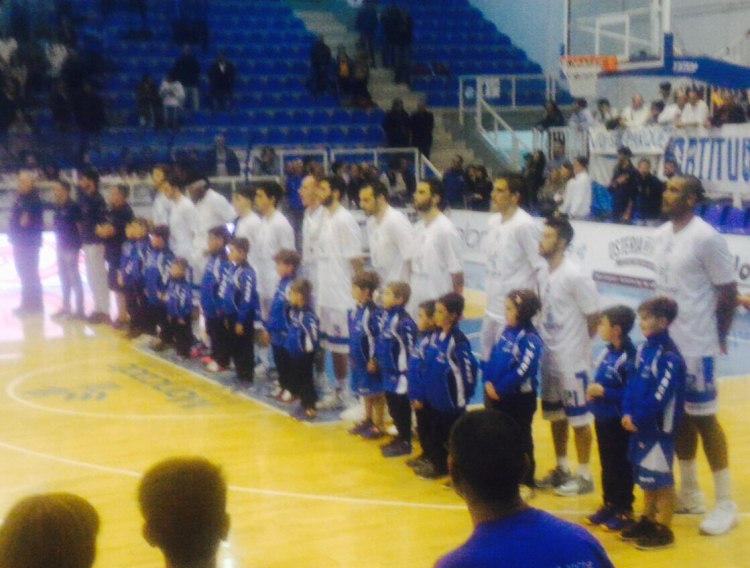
[619, 521]
[604, 514]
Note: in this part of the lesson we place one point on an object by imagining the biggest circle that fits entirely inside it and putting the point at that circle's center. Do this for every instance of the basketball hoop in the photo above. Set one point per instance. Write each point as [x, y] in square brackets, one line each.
[582, 72]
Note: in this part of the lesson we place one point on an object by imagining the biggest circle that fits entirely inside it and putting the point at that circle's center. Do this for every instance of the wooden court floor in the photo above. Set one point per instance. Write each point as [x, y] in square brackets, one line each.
[83, 411]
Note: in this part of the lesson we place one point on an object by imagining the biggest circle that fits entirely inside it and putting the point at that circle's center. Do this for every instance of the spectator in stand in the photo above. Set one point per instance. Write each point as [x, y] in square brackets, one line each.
[534, 174]
[403, 40]
[172, 97]
[558, 157]
[67, 33]
[665, 92]
[344, 71]
[366, 25]
[454, 181]
[358, 85]
[320, 66]
[606, 115]
[671, 168]
[148, 102]
[56, 53]
[657, 107]
[354, 184]
[577, 201]
[729, 112]
[396, 125]
[89, 110]
[389, 22]
[394, 181]
[25, 235]
[650, 190]
[478, 188]
[551, 193]
[624, 186]
[422, 123]
[552, 118]
[222, 161]
[187, 70]
[635, 115]
[581, 119]
[672, 114]
[696, 113]
[221, 76]
[267, 164]
[52, 529]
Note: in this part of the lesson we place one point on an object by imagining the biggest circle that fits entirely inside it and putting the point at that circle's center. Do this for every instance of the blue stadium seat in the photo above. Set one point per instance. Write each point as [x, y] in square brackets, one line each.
[715, 214]
[736, 221]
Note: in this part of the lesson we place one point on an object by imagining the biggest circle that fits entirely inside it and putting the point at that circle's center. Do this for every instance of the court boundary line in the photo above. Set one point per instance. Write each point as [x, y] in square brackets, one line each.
[13, 384]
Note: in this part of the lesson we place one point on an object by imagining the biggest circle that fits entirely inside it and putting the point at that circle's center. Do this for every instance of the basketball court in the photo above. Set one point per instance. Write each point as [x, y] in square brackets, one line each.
[87, 412]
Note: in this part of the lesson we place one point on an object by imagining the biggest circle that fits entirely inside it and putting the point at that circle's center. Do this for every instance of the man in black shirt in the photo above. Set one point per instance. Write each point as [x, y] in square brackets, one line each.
[650, 190]
[187, 70]
[422, 124]
[624, 186]
[25, 234]
[93, 214]
[221, 77]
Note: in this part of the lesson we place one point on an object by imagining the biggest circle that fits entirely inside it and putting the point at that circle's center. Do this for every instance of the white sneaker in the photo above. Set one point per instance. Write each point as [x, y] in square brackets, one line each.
[354, 413]
[332, 401]
[391, 430]
[690, 503]
[578, 485]
[286, 396]
[722, 518]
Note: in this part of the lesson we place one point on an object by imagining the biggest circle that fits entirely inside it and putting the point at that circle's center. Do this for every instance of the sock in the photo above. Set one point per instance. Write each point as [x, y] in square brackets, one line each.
[584, 470]
[563, 463]
[689, 476]
[722, 485]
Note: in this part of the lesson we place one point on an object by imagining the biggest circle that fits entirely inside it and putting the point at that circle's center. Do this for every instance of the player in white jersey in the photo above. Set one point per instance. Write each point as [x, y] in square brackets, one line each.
[183, 220]
[437, 254]
[212, 209]
[161, 206]
[275, 234]
[311, 226]
[248, 223]
[569, 320]
[389, 234]
[339, 258]
[513, 261]
[695, 268]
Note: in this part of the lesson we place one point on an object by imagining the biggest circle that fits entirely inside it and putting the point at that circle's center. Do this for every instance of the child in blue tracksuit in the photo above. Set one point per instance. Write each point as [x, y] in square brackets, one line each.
[216, 265]
[130, 277]
[393, 348]
[510, 374]
[238, 293]
[605, 395]
[426, 328]
[155, 277]
[652, 410]
[366, 382]
[302, 344]
[179, 300]
[277, 323]
[449, 378]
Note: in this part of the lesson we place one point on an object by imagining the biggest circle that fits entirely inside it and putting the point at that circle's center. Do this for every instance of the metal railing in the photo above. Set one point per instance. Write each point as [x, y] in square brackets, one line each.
[574, 141]
[499, 125]
[502, 91]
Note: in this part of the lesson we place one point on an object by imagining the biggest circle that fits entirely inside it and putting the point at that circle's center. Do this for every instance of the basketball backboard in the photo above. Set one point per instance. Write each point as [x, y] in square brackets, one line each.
[633, 30]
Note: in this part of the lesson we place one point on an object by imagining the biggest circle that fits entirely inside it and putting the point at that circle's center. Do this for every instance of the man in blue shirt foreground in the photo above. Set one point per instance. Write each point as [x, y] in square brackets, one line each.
[487, 463]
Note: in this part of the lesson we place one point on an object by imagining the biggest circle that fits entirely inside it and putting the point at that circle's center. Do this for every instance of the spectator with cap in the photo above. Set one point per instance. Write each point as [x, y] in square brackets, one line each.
[487, 463]
[581, 119]
[606, 115]
[624, 186]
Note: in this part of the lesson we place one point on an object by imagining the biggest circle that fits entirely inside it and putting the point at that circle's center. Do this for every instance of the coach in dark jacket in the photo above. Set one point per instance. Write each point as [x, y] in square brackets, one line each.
[25, 233]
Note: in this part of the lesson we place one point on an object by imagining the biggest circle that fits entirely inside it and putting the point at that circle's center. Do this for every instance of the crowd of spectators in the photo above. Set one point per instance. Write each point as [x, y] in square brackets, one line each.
[684, 107]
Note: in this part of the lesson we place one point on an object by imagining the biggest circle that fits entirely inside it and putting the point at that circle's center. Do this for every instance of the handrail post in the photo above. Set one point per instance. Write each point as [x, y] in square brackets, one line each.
[461, 101]
[513, 91]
